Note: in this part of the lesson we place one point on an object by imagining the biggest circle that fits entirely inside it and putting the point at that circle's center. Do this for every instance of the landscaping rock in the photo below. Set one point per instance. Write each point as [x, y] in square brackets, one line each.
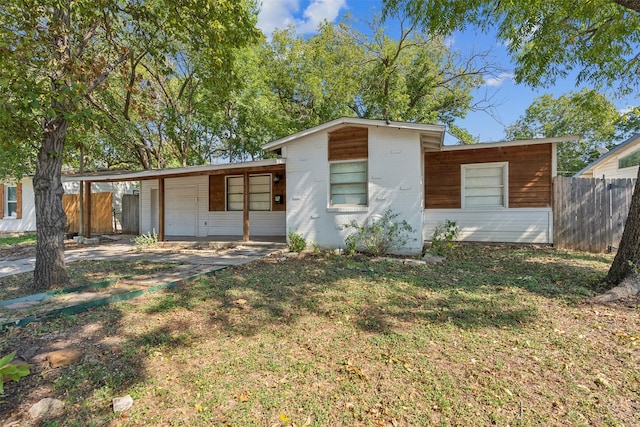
[410, 261]
[432, 259]
[121, 404]
[64, 357]
[47, 408]
[92, 241]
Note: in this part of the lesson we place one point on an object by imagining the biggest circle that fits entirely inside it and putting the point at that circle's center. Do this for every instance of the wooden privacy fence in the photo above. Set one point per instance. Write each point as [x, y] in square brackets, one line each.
[101, 212]
[589, 213]
[130, 214]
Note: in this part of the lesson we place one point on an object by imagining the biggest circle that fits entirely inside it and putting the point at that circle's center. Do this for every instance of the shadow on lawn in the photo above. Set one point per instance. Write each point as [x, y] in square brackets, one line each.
[111, 363]
[478, 287]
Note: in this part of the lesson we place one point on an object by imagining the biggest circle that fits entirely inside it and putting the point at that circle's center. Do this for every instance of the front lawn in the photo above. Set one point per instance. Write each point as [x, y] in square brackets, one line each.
[496, 335]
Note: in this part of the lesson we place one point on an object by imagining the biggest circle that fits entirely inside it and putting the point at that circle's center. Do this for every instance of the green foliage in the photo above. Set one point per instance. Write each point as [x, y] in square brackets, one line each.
[587, 114]
[341, 71]
[379, 236]
[297, 242]
[443, 236]
[148, 240]
[547, 39]
[12, 372]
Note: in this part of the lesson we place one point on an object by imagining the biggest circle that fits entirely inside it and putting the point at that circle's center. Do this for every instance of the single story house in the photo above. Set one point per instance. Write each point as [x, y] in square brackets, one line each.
[17, 210]
[356, 169]
[620, 162]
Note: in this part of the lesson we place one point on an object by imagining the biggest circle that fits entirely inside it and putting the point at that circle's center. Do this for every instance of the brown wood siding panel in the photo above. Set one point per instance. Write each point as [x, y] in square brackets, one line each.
[19, 200]
[529, 175]
[349, 143]
[279, 189]
[216, 192]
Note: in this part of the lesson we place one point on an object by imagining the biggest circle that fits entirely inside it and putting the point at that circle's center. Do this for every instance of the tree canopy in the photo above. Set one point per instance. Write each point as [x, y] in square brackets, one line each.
[58, 58]
[587, 114]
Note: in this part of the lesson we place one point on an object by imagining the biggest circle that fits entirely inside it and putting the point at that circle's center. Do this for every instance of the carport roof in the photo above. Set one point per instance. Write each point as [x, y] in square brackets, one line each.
[116, 176]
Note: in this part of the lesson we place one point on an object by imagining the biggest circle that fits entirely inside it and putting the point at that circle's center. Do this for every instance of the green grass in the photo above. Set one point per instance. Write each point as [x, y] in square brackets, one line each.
[81, 273]
[496, 335]
[17, 239]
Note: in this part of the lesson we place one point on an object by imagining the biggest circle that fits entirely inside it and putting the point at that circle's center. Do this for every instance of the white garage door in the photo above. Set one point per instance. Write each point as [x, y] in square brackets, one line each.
[181, 211]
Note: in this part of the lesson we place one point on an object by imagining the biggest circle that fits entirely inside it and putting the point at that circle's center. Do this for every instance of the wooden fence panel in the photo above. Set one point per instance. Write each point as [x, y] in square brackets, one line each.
[589, 213]
[130, 214]
[101, 212]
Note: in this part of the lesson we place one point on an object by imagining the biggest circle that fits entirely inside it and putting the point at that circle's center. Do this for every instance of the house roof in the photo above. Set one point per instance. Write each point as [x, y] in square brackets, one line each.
[432, 132]
[633, 140]
[515, 142]
[111, 176]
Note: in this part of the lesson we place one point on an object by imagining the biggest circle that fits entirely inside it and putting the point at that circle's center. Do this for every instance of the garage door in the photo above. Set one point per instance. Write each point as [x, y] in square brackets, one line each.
[181, 211]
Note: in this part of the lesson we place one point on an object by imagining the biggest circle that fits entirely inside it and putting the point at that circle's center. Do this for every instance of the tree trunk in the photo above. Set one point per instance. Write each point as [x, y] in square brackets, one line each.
[627, 260]
[51, 221]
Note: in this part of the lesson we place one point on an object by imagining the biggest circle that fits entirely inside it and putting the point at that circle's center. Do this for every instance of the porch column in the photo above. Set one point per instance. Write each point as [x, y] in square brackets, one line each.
[87, 212]
[161, 209]
[245, 209]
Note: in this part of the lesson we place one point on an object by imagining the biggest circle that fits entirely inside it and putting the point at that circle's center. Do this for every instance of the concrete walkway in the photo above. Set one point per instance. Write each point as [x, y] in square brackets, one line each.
[194, 264]
[239, 253]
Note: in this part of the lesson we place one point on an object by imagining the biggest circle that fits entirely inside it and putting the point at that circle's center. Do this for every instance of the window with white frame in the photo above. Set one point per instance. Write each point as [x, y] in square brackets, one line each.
[259, 193]
[11, 201]
[348, 183]
[485, 185]
[629, 160]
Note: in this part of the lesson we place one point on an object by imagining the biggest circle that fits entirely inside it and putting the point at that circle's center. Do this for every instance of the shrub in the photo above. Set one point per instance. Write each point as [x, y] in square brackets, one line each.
[12, 372]
[146, 240]
[443, 236]
[380, 236]
[297, 243]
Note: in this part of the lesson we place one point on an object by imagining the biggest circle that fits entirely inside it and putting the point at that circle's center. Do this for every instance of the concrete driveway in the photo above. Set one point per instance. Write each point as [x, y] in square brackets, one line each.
[239, 253]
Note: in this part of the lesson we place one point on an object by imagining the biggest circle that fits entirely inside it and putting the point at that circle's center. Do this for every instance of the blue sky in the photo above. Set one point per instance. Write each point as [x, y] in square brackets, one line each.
[510, 100]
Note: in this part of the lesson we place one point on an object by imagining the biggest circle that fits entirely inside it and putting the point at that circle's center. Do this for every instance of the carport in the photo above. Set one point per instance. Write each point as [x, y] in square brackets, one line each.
[204, 202]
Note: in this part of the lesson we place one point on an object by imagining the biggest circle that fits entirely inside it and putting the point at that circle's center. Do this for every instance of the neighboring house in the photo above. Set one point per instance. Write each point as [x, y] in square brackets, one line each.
[17, 210]
[355, 169]
[620, 162]
[17, 207]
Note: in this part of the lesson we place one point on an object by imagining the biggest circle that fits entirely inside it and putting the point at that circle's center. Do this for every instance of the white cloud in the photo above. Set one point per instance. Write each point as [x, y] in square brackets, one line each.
[498, 80]
[626, 110]
[282, 13]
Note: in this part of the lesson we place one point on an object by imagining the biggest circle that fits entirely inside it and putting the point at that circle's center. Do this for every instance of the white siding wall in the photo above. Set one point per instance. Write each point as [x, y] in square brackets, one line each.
[28, 220]
[208, 223]
[395, 181]
[522, 225]
[609, 167]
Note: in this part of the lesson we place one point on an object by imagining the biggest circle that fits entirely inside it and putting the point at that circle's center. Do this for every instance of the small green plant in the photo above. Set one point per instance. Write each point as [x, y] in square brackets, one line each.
[380, 236]
[146, 240]
[443, 236]
[297, 243]
[12, 372]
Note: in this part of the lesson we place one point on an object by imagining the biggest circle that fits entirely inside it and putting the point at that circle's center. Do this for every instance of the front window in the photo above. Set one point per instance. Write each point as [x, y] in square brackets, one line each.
[259, 193]
[348, 183]
[11, 201]
[484, 185]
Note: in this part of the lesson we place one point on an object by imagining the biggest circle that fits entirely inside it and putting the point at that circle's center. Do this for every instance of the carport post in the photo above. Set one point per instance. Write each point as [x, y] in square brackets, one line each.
[245, 209]
[87, 212]
[161, 209]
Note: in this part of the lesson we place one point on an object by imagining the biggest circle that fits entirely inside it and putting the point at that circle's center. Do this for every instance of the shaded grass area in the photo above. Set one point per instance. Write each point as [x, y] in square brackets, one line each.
[83, 272]
[493, 336]
[17, 239]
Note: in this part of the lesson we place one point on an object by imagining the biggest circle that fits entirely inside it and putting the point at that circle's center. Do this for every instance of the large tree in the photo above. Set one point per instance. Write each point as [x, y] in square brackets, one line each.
[587, 114]
[56, 55]
[341, 71]
[548, 39]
